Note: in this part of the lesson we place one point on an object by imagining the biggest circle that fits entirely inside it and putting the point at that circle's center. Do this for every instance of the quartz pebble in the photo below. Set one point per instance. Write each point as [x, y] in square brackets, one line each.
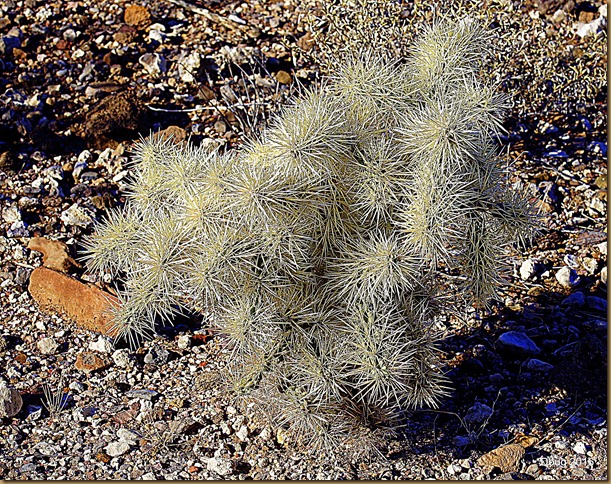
[567, 277]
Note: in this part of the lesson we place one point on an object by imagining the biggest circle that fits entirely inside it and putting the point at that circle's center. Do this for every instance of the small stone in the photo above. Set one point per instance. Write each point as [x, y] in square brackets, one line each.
[3, 344]
[518, 342]
[454, 469]
[242, 434]
[115, 449]
[157, 355]
[10, 401]
[84, 304]
[47, 346]
[148, 395]
[220, 466]
[567, 277]
[121, 357]
[558, 16]
[220, 127]
[76, 387]
[528, 269]
[89, 362]
[102, 457]
[580, 448]
[102, 344]
[11, 214]
[571, 261]
[128, 436]
[539, 366]
[137, 16]
[18, 229]
[507, 458]
[184, 341]
[154, 64]
[284, 77]
[603, 275]
[77, 216]
[590, 264]
[601, 182]
[55, 254]
[478, 413]
[575, 300]
[125, 35]
[174, 133]
[88, 411]
[595, 303]
[188, 66]
[602, 248]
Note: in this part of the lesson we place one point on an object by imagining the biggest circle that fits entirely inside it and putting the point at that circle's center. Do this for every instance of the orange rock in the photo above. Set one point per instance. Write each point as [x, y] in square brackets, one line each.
[55, 254]
[174, 133]
[138, 16]
[507, 458]
[88, 362]
[84, 304]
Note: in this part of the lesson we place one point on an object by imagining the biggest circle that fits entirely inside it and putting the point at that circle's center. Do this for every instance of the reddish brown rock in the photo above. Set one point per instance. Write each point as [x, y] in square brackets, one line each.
[84, 304]
[89, 362]
[283, 77]
[174, 133]
[55, 254]
[138, 16]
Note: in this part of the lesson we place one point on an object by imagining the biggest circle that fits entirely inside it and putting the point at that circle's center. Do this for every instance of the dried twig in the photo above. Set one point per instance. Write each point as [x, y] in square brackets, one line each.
[228, 23]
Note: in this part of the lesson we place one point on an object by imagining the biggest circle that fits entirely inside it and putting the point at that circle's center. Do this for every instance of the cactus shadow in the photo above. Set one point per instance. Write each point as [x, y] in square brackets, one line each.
[566, 400]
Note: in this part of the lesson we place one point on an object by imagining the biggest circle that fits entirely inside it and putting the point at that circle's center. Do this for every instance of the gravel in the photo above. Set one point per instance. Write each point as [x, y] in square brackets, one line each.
[79, 84]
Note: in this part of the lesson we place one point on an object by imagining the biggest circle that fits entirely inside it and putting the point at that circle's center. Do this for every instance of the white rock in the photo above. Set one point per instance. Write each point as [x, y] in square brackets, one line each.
[602, 247]
[528, 269]
[559, 16]
[47, 346]
[78, 216]
[115, 449]
[103, 345]
[603, 275]
[219, 465]
[580, 448]
[128, 436]
[154, 64]
[121, 358]
[18, 229]
[567, 277]
[184, 341]
[77, 387]
[10, 401]
[11, 214]
[188, 65]
[598, 205]
[242, 434]
[590, 264]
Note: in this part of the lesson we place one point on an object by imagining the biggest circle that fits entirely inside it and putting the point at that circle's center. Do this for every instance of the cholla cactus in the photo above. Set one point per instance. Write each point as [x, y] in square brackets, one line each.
[317, 245]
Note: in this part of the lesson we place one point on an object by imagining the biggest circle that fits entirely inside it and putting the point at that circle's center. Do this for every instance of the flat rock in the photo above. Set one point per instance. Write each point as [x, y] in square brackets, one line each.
[540, 366]
[137, 16]
[88, 362]
[47, 346]
[507, 458]
[518, 342]
[567, 277]
[55, 254]
[115, 449]
[478, 413]
[10, 401]
[84, 304]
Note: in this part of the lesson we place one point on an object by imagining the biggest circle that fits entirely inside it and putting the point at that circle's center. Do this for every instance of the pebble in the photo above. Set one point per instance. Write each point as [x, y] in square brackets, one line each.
[47, 346]
[157, 355]
[11, 214]
[3, 344]
[242, 434]
[128, 436]
[603, 275]
[77, 216]
[567, 277]
[148, 395]
[121, 357]
[602, 248]
[580, 448]
[575, 300]
[596, 303]
[154, 64]
[454, 469]
[219, 465]
[518, 342]
[102, 344]
[528, 269]
[77, 387]
[115, 449]
[184, 341]
[590, 264]
[55, 254]
[539, 366]
[10, 401]
[478, 413]
[18, 229]
[89, 362]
